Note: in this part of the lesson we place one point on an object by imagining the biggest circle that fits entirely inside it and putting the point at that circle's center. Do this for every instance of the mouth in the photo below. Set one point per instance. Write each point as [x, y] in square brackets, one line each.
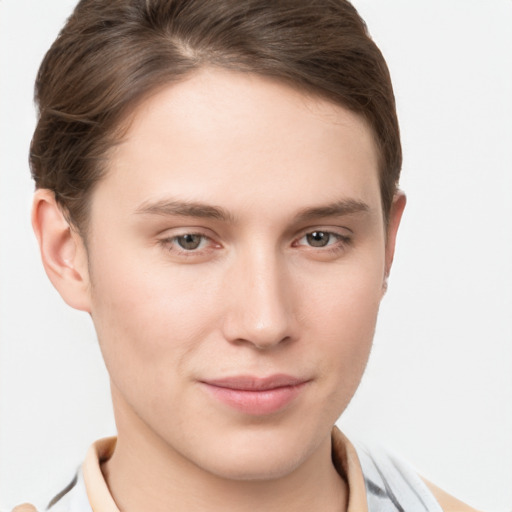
[256, 395]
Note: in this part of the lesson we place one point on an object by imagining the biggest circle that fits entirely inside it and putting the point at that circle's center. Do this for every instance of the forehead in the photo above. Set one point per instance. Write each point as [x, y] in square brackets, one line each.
[220, 131]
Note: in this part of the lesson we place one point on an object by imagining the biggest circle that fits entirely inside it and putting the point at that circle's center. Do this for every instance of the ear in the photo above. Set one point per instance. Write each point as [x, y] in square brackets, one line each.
[62, 250]
[395, 216]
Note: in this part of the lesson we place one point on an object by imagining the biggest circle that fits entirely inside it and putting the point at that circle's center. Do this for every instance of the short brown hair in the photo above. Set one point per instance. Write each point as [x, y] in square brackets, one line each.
[112, 54]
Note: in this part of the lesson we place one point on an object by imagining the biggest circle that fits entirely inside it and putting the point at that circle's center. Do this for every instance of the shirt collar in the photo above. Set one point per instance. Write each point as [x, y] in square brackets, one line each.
[344, 457]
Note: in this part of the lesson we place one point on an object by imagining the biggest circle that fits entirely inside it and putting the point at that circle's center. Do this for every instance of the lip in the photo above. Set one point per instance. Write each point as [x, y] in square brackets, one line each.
[256, 395]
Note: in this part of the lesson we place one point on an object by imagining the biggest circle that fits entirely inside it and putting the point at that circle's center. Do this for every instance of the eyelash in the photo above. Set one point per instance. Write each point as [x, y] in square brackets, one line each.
[340, 244]
[172, 246]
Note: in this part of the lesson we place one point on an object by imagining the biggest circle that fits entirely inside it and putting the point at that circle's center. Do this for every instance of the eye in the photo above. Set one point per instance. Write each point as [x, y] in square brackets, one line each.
[318, 238]
[190, 241]
[321, 239]
[188, 244]
[324, 243]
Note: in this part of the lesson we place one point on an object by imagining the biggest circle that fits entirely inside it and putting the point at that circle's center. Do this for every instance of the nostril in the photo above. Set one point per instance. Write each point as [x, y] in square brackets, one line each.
[266, 346]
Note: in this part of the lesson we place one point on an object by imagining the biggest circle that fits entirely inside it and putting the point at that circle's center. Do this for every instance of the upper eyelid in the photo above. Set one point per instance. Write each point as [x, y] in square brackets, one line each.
[326, 231]
[338, 236]
[173, 232]
[185, 233]
[171, 245]
[342, 231]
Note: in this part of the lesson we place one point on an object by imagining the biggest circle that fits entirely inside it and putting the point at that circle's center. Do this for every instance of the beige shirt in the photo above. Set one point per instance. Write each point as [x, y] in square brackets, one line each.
[345, 459]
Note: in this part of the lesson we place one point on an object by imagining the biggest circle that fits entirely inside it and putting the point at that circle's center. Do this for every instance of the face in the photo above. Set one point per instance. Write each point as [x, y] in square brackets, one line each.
[236, 255]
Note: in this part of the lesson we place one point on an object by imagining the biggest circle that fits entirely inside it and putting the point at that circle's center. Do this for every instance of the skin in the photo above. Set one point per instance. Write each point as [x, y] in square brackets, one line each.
[263, 167]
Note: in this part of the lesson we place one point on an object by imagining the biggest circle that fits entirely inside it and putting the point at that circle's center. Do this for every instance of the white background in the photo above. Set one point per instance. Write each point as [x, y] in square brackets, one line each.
[438, 390]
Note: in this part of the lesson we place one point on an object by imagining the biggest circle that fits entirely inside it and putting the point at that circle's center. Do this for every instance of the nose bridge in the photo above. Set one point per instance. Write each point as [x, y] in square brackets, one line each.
[261, 306]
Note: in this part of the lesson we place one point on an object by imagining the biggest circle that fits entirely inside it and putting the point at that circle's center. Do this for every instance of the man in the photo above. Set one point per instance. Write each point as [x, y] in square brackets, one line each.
[217, 188]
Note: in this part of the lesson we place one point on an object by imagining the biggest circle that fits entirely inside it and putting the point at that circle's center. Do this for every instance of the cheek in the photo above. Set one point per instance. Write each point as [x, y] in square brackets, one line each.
[146, 321]
[344, 316]
[347, 299]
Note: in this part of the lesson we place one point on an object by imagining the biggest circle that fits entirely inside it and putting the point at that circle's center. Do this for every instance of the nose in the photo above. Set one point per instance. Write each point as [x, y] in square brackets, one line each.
[260, 310]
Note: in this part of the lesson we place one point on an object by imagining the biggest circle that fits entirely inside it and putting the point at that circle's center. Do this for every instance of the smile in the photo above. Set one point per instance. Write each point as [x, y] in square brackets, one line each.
[256, 396]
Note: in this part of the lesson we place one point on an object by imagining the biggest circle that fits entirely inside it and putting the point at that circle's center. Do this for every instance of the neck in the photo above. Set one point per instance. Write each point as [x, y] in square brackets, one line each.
[145, 473]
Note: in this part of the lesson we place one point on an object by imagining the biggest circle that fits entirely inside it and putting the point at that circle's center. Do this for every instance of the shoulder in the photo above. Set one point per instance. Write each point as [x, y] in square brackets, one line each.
[382, 481]
[448, 502]
[73, 498]
[389, 478]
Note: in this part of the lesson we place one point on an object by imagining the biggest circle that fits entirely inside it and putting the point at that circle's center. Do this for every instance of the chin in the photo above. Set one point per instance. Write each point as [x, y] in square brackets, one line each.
[256, 455]
[255, 466]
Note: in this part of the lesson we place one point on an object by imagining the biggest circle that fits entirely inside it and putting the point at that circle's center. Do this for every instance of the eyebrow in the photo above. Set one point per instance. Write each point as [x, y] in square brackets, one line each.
[206, 211]
[185, 209]
[336, 209]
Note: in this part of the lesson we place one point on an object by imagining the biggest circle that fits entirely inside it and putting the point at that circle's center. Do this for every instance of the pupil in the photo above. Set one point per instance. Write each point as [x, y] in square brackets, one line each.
[189, 241]
[318, 239]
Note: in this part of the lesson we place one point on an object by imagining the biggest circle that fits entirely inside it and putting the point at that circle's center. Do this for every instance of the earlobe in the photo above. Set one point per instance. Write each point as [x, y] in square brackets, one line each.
[395, 216]
[62, 250]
